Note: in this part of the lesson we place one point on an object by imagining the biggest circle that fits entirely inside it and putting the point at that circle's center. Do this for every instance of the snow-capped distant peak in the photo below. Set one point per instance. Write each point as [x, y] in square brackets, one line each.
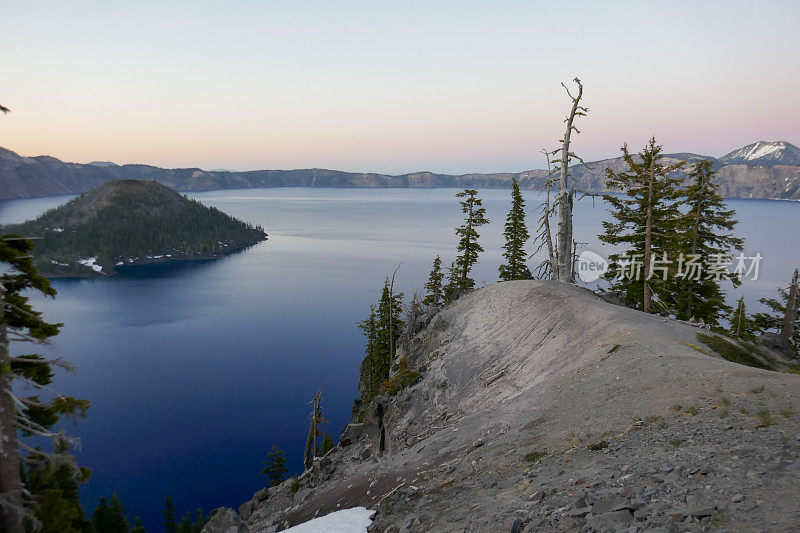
[765, 153]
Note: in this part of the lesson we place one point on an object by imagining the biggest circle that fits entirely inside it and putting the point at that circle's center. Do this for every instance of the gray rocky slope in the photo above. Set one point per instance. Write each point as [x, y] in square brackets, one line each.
[628, 422]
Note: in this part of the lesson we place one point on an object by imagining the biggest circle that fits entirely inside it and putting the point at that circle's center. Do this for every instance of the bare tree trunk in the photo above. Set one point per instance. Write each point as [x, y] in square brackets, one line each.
[10, 482]
[648, 240]
[308, 456]
[741, 317]
[544, 233]
[564, 267]
[551, 254]
[790, 317]
[309, 444]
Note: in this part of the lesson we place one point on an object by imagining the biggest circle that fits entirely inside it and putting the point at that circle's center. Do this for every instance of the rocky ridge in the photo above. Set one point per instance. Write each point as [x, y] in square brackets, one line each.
[542, 407]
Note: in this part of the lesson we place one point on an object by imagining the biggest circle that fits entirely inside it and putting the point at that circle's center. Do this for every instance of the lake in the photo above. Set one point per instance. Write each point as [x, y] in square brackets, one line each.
[195, 370]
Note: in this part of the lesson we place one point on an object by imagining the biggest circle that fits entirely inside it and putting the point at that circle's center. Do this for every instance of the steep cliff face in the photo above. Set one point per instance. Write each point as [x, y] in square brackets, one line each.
[543, 405]
[772, 174]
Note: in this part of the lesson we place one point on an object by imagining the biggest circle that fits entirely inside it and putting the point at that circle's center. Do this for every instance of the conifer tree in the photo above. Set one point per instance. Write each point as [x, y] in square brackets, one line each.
[110, 517]
[368, 374]
[435, 295]
[200, 520]
[451, 290]
[169, 516]
[705, 233]
[55, 489]
[468, 245]
[742, 326]
[31, 415]
[100, 513]
[275, 467]
[380, 350]
[516, 235]
[138, 527]
[327, 444]
[186, 525]
[645, 226]
[390, 325]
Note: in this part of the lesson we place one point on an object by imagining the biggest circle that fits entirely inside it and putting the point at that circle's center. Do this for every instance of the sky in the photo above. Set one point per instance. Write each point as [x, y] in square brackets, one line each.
[445, 86]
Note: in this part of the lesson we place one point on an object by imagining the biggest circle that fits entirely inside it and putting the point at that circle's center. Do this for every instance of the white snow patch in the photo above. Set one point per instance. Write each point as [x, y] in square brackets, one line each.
[354, 520]
[120, 263]
[58, 230]
[91, 263]
[761, 149]
[59, 264]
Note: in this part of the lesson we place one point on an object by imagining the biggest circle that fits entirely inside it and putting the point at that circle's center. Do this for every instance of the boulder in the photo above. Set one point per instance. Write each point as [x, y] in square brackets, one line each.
[614, 520]
[778, 346]
[225, 520]
[352, 433]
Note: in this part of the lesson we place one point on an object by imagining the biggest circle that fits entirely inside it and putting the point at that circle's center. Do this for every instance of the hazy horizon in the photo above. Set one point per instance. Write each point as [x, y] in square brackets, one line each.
[451, 87]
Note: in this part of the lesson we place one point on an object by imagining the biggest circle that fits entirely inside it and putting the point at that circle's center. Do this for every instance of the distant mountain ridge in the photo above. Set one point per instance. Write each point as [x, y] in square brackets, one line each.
[764, 153]
[768, 170]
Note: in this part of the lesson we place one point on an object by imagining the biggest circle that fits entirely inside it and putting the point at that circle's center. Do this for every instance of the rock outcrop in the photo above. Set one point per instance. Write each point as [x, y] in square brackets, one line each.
[542, 407]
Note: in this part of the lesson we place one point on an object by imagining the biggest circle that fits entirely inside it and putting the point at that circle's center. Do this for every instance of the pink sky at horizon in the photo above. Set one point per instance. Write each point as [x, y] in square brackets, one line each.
[446, 87]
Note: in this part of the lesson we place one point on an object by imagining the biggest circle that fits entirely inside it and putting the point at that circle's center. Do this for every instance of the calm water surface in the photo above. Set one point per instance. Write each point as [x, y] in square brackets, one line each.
[195, 370]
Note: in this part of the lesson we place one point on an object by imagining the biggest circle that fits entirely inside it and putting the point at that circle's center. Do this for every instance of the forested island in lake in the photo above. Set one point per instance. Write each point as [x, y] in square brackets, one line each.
[127, 222]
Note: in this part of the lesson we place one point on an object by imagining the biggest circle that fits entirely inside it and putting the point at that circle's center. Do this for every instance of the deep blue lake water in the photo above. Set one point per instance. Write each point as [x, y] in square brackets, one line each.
[195, 370]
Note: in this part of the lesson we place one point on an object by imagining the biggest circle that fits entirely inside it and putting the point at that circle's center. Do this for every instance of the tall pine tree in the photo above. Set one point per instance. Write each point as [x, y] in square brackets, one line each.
[645, 225]
[435, 294]
[327, 444]
[451, 290]
[382, 328]
[468, 245]
[35, 414]
[138, 527]
[516, 235]
[275, 467]
[109, 517]
[55, 489]
[706, 232]
[368, 379]
[169, 516]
